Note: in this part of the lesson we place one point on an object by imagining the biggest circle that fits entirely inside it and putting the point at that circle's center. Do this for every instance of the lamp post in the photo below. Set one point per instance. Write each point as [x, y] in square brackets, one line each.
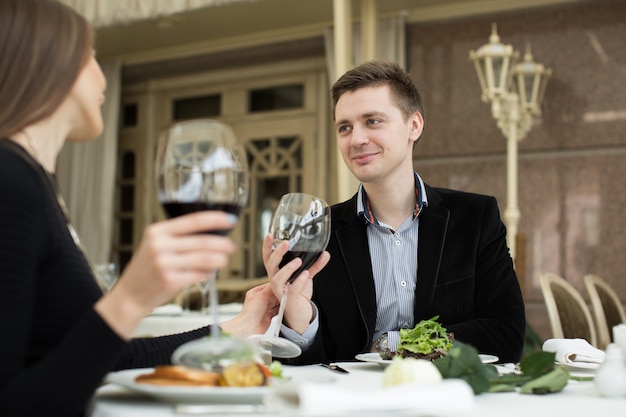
[515, 90]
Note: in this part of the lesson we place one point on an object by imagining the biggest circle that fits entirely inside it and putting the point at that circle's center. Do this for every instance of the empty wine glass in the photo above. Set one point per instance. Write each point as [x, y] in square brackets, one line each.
[303, 220]
[202, 166]
[106, 275]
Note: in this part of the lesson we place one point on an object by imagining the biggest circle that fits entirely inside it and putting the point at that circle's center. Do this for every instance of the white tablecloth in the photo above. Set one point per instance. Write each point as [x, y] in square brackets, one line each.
[163, 324]
[577, 399]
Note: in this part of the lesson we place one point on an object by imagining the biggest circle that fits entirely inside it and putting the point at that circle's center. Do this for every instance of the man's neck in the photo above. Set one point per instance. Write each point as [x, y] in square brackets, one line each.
[392, 202]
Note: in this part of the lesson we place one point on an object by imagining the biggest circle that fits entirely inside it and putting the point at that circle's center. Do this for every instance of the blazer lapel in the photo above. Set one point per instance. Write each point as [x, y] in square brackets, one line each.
[432, 234]
[352, 241]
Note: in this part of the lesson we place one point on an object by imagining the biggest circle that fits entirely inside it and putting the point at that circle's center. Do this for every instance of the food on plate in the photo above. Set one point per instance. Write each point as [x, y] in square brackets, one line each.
[240, 374]
[245, 374]
[427, 340]
[179, 375]
[410, 370]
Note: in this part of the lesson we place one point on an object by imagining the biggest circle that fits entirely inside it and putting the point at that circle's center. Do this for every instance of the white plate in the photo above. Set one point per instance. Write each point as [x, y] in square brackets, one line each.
[375, 358]
[488, 358]
[217, 395]
[580, 365]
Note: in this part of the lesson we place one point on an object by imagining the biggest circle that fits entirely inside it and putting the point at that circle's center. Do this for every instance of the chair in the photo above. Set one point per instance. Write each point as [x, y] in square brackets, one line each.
[607, 308]
[568, 313]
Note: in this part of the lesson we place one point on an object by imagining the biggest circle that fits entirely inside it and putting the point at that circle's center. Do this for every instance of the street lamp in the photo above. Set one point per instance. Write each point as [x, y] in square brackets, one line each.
[515, 90]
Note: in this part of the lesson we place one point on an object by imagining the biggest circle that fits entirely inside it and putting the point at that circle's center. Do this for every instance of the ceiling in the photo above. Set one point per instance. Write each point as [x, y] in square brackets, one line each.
[244, 24]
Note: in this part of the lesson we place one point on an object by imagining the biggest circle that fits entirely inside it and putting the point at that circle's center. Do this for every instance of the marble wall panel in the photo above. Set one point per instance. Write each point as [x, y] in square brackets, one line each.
[572, 163]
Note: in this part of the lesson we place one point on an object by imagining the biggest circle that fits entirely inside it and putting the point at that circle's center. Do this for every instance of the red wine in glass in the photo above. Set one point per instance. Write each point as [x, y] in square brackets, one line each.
[178, 208]
[308, 259]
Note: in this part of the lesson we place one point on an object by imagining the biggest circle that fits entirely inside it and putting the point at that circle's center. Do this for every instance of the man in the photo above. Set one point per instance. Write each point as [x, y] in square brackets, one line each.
[400, 251]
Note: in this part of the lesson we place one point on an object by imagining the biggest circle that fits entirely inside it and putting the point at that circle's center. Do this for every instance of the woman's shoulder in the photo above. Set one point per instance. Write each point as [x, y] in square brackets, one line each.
[14, 165]
[20, 182]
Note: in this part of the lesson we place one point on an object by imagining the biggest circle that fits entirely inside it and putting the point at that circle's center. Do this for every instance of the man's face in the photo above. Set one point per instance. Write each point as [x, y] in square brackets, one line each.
[374, 138]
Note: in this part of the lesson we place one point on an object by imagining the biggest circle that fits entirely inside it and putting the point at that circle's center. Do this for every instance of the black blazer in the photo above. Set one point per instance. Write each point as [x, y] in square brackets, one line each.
[465, 275]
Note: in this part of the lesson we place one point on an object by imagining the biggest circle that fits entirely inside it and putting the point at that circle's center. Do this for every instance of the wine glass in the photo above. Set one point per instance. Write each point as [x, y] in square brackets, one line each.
[303, 220]
[106, 275]
[202, 166]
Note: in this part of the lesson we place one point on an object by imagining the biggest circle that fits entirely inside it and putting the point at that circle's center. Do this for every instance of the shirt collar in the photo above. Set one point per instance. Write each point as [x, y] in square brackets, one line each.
[363, 207]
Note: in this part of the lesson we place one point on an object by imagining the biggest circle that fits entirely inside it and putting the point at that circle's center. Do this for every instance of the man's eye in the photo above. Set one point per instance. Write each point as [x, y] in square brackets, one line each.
[372, 121]
[343, 129]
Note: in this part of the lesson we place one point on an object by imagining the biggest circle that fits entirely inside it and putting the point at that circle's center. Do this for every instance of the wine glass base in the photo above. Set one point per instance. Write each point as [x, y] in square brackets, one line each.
[278, 346]
[213, 353]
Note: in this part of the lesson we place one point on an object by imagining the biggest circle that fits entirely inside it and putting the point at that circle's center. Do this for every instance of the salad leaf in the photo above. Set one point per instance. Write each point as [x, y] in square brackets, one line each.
[425, 337]
[463, 362]
[276, 369]
[537, 364]
[538, 374]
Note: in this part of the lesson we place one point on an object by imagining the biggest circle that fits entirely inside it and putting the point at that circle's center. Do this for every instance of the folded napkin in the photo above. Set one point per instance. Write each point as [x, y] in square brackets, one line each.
[310, 399]
[573, 351]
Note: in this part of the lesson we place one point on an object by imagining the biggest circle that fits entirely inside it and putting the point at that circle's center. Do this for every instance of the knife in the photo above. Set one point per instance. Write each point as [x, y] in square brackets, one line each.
[334, 367]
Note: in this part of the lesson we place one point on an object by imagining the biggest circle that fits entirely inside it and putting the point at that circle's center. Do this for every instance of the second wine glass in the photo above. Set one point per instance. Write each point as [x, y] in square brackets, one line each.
[303, 220]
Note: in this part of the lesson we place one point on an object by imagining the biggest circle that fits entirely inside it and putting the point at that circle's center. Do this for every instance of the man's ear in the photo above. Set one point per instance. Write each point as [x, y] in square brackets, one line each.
[417, 126]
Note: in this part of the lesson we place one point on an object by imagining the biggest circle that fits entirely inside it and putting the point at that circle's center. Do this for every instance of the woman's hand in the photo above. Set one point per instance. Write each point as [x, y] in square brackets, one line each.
[298, 311]
[173, 254]
[259, 306]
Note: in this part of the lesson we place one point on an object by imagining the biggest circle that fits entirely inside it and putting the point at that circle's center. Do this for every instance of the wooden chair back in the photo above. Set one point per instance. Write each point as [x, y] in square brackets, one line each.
[606, 306]
[568, 313]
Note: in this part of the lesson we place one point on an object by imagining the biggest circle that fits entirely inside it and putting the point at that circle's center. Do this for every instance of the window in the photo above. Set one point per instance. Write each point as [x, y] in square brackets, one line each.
[276, 98]
[196, 107]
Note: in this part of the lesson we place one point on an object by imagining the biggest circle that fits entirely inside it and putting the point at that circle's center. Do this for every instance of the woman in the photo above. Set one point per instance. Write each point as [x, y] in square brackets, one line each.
[59, 334]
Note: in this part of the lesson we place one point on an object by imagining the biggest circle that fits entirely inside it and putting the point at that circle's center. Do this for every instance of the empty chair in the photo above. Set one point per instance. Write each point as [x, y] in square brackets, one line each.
[607, 308]
[569, 315]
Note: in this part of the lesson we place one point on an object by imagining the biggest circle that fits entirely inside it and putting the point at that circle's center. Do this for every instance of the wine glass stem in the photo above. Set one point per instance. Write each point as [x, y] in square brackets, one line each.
[212, 300]
[281, 310]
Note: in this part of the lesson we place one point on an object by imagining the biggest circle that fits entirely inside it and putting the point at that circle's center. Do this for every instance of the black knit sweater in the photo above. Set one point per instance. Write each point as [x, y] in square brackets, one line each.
[54, 348]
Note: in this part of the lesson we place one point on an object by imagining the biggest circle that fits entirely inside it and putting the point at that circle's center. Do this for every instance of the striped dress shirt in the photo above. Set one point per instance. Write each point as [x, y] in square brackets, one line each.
[394, 264]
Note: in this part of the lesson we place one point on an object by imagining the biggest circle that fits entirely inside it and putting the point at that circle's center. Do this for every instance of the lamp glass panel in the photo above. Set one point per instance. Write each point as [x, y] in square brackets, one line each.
[484, 75]
[529, 82]
[497, 65]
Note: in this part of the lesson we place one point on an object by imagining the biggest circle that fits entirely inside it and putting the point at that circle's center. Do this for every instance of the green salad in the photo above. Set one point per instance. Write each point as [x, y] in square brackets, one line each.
[427, 336]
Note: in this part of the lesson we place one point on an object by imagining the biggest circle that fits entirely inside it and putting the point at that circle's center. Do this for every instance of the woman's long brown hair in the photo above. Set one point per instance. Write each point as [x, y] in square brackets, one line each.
[44, 45]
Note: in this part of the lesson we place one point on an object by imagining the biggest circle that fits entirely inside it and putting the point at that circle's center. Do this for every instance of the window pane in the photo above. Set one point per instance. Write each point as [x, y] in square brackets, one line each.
[126, 231]
[129, 115]
[128, 165]
[127, 198]
[197, 107]
[276, 98]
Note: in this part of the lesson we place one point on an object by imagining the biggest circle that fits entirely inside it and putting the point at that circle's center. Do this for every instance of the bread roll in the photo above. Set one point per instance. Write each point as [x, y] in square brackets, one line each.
[179, 375]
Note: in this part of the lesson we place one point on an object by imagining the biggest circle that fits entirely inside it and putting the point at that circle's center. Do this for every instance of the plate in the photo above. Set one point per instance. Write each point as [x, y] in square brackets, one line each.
[484, 358]
[216, 395]
[375, 358]
[580, 365]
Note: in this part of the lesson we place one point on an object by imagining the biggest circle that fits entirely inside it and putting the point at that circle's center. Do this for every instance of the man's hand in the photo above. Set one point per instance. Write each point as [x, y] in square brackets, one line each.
[298, 311]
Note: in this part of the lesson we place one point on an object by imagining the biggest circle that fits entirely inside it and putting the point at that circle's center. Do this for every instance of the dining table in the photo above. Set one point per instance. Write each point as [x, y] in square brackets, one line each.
[172, 318]
[363, 381]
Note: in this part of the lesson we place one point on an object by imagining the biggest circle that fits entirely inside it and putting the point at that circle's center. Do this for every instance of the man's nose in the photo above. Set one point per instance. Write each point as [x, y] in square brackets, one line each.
[359, 136]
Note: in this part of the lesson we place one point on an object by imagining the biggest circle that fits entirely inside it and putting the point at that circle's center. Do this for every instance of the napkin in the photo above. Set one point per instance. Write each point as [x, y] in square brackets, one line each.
[310, 399]
[573, 351]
